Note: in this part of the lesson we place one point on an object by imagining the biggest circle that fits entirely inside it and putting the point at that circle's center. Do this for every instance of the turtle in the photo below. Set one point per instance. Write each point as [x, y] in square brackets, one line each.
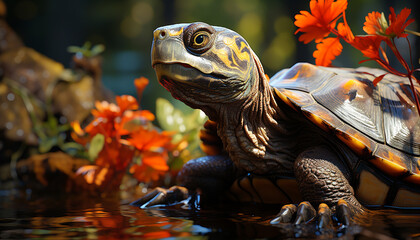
[308, 136]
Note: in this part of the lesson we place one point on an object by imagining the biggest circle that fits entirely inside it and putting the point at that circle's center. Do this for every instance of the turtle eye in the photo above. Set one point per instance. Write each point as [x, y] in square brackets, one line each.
[199, 42]
[200, 39]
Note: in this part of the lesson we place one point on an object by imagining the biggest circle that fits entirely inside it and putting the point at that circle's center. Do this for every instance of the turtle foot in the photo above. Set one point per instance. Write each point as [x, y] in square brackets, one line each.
[162, 196]
[305, 213]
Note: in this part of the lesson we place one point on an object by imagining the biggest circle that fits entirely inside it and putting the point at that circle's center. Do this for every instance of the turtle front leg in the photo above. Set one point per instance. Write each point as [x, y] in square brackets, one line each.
[203, 179]
[321, 176]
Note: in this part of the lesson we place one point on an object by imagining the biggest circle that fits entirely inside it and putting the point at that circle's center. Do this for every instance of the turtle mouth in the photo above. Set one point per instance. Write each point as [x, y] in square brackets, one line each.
[175, 76]
[185, 65]
[185, 73]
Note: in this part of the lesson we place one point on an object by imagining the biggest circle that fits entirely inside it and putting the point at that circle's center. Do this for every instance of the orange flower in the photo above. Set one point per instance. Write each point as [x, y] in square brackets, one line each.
[153, 146]
[115, 154]
[78, 134]
[149, 140]
[133, 120]
[369, 45]
[375, 23]
[105, 114]
[140, 84]
[153, 166]
[345, 32]
[128, 133]
[155, 160]
[126, 102]
[110, 118]
[327, 50]
[319, 23]
[397, 24]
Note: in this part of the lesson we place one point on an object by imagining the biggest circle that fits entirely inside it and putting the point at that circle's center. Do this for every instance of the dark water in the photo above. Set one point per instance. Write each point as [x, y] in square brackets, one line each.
[83, 217]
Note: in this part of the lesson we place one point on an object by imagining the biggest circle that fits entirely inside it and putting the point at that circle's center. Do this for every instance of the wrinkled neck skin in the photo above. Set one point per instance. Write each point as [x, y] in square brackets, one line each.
[256, 131]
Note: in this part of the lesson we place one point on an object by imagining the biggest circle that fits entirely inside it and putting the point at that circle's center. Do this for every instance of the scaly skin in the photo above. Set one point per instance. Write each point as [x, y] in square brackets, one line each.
[215, 70]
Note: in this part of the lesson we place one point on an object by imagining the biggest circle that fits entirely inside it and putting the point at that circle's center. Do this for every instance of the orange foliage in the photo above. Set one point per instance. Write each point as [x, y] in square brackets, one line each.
[327, 50]
[369, 45]
[140, 84]
[321, 22]
[372, 25]
[398, 23]
[318, 24]
[127, 133]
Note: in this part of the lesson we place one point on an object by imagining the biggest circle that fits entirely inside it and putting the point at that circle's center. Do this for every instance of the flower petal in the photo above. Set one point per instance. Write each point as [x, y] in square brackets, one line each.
[397, 24]
[327, 50]
[372, 25]
[318, 23]
[127, 102]
[368, 45]
[140, 84]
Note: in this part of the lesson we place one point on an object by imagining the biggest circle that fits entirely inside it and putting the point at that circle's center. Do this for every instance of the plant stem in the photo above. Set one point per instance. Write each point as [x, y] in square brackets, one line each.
[412, 32]
[414, 93]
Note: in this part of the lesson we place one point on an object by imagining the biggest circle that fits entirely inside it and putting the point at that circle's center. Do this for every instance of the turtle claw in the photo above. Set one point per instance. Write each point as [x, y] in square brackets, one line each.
[285, 215]
[324, 217]
[343, 212]
[305, 213]
[301, 214]
[161, 196]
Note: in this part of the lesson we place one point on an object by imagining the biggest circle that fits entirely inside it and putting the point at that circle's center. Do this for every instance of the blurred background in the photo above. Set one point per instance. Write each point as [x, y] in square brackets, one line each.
[125, 27]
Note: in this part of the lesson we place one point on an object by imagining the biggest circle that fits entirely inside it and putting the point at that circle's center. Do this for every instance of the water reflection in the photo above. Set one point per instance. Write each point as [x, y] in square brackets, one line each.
[80, 217]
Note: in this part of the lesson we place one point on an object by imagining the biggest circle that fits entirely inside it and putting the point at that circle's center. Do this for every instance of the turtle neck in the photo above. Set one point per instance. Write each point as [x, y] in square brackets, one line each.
[254, 133]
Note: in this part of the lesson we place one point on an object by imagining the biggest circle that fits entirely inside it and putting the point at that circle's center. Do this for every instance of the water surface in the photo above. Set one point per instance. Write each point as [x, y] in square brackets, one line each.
[83, 217]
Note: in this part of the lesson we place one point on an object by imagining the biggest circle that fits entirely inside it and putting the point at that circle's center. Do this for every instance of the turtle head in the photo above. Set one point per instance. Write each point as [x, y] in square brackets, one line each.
[203, 65]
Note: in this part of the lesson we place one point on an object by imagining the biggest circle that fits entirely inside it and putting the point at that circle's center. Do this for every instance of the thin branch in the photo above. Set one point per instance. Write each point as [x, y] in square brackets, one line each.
[398, 55]
[412, 32]
[414, 93]
[411, 55]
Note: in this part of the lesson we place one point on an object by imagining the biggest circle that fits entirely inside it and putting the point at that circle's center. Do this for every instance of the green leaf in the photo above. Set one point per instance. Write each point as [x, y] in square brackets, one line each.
[164, 114]
[47, 144]
[195, 120]
[87, 50]
[96, 146]
[97, 49]
[87, 45]
[73, 49]
[74, 149]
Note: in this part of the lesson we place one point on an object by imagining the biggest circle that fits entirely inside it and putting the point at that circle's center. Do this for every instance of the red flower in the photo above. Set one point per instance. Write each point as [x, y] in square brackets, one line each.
[318, 23]
[376, 23]
[397, 24]
[369, 45]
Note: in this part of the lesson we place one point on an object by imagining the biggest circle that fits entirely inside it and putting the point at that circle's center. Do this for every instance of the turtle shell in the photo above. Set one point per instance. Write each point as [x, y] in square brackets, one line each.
[379, 123]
